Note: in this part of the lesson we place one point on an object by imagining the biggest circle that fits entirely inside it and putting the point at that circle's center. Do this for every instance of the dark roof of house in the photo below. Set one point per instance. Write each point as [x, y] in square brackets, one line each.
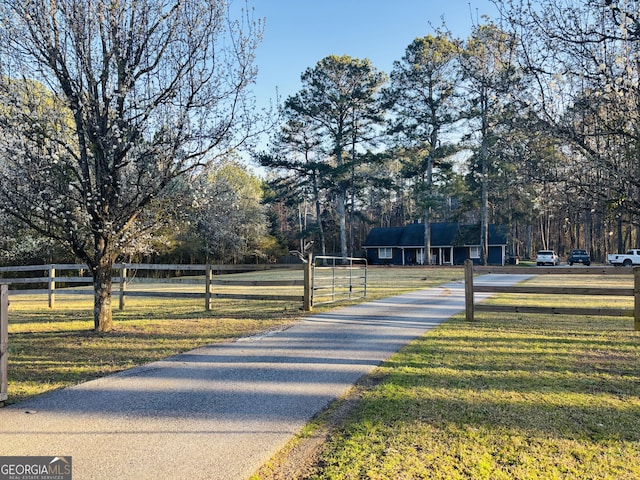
[384, 237]
[442, 235]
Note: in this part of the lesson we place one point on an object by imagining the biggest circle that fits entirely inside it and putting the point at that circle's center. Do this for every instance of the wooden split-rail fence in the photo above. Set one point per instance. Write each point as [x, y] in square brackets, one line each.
[470, 288]
[206, 276]
[324, 279]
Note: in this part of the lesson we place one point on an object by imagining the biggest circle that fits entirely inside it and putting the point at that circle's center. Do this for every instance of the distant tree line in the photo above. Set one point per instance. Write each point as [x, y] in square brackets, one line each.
[531, 122]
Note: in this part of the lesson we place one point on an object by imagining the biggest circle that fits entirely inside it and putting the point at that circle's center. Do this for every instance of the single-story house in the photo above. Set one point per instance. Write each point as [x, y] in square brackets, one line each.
[451, 244]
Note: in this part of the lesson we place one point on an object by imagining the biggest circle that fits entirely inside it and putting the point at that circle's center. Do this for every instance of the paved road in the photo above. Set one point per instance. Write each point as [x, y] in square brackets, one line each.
[220, 412]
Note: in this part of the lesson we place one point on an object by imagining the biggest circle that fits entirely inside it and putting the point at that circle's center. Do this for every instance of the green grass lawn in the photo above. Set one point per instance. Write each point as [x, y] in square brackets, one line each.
[509, 396]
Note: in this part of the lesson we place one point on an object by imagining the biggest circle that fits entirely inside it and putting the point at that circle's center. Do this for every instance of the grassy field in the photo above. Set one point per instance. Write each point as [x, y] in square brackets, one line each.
[50, 349]
[506, 397]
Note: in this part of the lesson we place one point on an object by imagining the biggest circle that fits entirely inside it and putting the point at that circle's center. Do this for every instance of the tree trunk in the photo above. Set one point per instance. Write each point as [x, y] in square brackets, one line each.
[342, 218]
[484, 220]
[484, 170]
[426, 257]
[426, 260]
[102, 314]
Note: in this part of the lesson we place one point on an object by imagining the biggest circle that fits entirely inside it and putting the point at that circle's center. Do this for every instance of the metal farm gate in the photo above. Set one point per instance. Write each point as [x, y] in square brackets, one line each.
[338, 278]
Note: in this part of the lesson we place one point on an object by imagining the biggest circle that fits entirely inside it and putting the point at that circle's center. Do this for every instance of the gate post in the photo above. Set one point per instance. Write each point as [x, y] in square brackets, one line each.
[307, 303]
[636, 299]
[4, 341]
[468, 289]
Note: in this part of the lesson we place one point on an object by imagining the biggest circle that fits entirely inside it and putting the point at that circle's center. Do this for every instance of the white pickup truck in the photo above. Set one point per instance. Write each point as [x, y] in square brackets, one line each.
[632, 257]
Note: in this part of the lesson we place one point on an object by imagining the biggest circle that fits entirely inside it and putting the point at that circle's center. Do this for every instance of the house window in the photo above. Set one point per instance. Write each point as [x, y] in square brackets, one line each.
[474, 252]
[385, 253]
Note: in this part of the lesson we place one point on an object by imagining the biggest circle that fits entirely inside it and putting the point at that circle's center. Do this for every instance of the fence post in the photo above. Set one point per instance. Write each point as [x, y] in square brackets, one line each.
[308, 284]
[636, 298]
[4, 341]
[52, 286]
[123, 285]
[208, 278]
[468, 289]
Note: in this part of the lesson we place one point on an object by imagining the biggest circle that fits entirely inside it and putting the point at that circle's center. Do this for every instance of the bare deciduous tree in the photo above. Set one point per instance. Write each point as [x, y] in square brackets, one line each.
[104, 104]
[584, 59]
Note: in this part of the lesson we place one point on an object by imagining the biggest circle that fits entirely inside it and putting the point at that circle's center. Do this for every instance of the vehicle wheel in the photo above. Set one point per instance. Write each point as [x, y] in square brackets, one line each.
[626, 263]
[587, 264]
[539, 264]
[571, 264]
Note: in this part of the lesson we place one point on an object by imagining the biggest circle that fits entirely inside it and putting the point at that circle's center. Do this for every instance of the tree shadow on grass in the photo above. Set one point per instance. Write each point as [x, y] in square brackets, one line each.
[558, 377]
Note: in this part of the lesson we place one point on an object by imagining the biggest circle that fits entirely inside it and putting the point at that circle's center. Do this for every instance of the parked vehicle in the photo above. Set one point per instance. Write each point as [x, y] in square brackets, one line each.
[632, 257]
[578, 255]
[547, 257]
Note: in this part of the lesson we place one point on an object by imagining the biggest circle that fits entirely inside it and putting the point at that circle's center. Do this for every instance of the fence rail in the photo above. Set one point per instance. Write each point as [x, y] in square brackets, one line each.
[326, 279]
[121, 282]
[470, 289]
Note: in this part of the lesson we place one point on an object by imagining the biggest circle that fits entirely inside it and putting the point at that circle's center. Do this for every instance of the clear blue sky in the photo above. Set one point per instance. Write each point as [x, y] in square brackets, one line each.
[299, 33]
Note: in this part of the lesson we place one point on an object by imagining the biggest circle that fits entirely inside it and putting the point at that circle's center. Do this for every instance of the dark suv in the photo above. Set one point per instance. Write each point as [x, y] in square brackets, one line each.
[579, 256]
